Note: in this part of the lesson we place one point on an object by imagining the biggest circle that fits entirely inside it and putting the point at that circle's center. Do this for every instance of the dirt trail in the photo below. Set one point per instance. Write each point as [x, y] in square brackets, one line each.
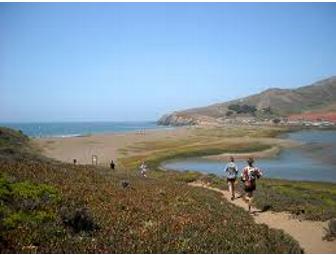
[308, 233]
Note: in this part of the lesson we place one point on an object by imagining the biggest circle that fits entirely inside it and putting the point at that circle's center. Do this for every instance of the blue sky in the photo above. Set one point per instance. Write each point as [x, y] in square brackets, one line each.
[135, 61]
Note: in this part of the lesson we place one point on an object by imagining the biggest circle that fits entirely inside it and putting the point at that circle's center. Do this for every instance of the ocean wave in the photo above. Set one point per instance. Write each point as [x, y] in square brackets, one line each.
[60, 136]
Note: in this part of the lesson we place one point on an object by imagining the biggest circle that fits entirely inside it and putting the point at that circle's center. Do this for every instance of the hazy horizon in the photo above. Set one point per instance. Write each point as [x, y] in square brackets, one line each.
[69, 62]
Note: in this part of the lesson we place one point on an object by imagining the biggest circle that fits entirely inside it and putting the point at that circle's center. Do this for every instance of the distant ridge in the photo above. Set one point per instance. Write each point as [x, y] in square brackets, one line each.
[270, 103]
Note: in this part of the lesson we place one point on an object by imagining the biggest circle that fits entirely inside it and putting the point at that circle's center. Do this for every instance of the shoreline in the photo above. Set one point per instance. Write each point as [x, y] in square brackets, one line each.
[106, 145]
[138, 131]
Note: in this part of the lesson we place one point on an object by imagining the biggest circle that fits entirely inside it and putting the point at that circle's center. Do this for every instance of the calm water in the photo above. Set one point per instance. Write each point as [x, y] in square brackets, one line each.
[314, 160]
[67, 129]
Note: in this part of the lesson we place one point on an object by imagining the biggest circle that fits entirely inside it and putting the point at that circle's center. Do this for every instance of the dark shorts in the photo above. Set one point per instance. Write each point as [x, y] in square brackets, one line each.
[249, 188]
[230, 179]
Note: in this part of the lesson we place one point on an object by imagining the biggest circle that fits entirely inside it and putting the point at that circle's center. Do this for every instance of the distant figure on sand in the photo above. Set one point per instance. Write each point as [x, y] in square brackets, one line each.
[143, 169]
[75, 161]
[249, 176]
[231, 172]
[112, 165]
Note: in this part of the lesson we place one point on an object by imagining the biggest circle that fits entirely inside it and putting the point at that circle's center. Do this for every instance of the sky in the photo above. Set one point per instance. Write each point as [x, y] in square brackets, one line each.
[137, 61]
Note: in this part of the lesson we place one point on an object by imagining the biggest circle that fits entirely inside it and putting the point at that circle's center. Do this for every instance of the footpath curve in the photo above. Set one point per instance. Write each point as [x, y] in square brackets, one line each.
[309, 234]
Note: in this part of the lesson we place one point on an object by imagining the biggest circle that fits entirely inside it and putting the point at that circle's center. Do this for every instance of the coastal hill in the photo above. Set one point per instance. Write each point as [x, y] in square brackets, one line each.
[314, 100]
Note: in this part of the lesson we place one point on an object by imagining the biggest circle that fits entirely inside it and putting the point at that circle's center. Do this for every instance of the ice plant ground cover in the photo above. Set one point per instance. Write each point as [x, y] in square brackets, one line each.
[73, 209]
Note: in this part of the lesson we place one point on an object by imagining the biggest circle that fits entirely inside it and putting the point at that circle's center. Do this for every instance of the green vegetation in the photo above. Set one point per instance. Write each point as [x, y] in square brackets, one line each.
[202, 142]
[245, 108]
[206, 135]
[12, 142]
[87, 209]
[308, 200]
[17, 199]
[305, 200]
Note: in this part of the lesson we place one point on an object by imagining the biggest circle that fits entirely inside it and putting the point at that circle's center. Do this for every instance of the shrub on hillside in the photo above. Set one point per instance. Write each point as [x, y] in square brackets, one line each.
[78, 219]
[245, 108]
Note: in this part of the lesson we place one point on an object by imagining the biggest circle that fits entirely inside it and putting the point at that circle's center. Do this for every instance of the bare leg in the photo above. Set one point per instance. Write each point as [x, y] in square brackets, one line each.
[233, 190]
[250, 195]
[229, 186]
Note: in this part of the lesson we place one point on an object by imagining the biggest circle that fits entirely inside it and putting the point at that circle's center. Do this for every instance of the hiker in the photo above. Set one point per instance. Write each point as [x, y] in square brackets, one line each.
[231, 172]
[249, 176]
[75, 161]
[143, 169]
[112, 165]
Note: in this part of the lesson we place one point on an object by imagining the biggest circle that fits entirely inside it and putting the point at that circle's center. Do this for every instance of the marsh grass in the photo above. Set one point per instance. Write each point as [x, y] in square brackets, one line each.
[155, 158]
[307, 200]
[241, 131]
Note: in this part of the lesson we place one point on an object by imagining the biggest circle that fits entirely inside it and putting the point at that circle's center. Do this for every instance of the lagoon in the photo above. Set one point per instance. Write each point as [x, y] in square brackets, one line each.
[313, 160]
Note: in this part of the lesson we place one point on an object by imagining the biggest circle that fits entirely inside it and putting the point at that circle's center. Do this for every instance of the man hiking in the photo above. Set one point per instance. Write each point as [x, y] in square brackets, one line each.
[249, 176]
[231, 172]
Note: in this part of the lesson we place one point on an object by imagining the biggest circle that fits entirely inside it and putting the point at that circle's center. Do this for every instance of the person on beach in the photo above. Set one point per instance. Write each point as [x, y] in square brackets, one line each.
[249, 176]
[112, 165]
[231, 172]
[143, 169]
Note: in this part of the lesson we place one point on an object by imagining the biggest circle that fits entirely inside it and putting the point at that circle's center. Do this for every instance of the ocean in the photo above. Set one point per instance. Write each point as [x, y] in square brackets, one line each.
[70, 129]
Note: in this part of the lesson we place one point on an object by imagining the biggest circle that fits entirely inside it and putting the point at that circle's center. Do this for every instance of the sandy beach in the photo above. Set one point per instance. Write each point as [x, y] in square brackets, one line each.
[105, 146]
[108, 146]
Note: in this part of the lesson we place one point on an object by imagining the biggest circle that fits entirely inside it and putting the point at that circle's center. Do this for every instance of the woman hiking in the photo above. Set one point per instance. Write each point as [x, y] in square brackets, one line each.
[249, 176]
[231, 172]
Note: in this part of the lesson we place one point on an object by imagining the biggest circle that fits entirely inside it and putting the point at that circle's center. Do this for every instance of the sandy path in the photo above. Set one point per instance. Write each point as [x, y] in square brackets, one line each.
[308, 233]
